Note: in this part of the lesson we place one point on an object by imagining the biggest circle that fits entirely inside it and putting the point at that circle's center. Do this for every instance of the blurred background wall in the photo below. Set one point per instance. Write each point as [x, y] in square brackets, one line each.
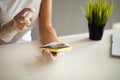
[67, 17]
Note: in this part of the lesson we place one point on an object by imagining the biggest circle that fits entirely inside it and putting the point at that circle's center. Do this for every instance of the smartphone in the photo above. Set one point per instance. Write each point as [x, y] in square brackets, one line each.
[57, 49]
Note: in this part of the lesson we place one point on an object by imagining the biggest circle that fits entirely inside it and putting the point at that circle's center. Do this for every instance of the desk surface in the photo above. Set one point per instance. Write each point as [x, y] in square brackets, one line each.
[88, 60]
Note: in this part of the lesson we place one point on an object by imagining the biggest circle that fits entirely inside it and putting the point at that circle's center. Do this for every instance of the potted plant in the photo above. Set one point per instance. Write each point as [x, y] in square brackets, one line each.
[97, 14]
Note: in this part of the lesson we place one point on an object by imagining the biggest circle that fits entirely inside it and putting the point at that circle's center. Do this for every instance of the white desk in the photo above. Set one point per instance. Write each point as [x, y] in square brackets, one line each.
[88, 60]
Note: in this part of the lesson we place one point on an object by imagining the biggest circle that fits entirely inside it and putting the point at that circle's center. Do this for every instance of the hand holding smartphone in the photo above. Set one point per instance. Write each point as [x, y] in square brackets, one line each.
[57, 47]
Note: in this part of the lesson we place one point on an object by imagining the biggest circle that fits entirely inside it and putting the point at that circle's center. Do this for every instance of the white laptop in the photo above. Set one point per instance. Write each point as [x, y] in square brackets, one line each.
[116, 43]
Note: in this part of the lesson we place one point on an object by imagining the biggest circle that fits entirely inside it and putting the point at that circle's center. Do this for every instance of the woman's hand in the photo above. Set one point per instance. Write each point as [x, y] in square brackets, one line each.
[51, 55]
[23, 19]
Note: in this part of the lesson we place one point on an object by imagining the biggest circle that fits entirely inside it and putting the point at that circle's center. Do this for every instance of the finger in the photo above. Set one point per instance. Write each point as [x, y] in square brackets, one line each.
[48, 55]
[62, 45]
[22, 19]
[22, 23]
[44, 52]
[21, 28]
[26, 10]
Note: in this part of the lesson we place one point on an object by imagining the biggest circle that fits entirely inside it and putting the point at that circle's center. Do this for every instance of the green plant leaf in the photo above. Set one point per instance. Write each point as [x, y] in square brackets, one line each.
[98, 12]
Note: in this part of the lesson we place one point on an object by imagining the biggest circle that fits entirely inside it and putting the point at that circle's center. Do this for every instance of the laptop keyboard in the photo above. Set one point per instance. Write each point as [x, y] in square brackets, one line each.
[116, 43]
